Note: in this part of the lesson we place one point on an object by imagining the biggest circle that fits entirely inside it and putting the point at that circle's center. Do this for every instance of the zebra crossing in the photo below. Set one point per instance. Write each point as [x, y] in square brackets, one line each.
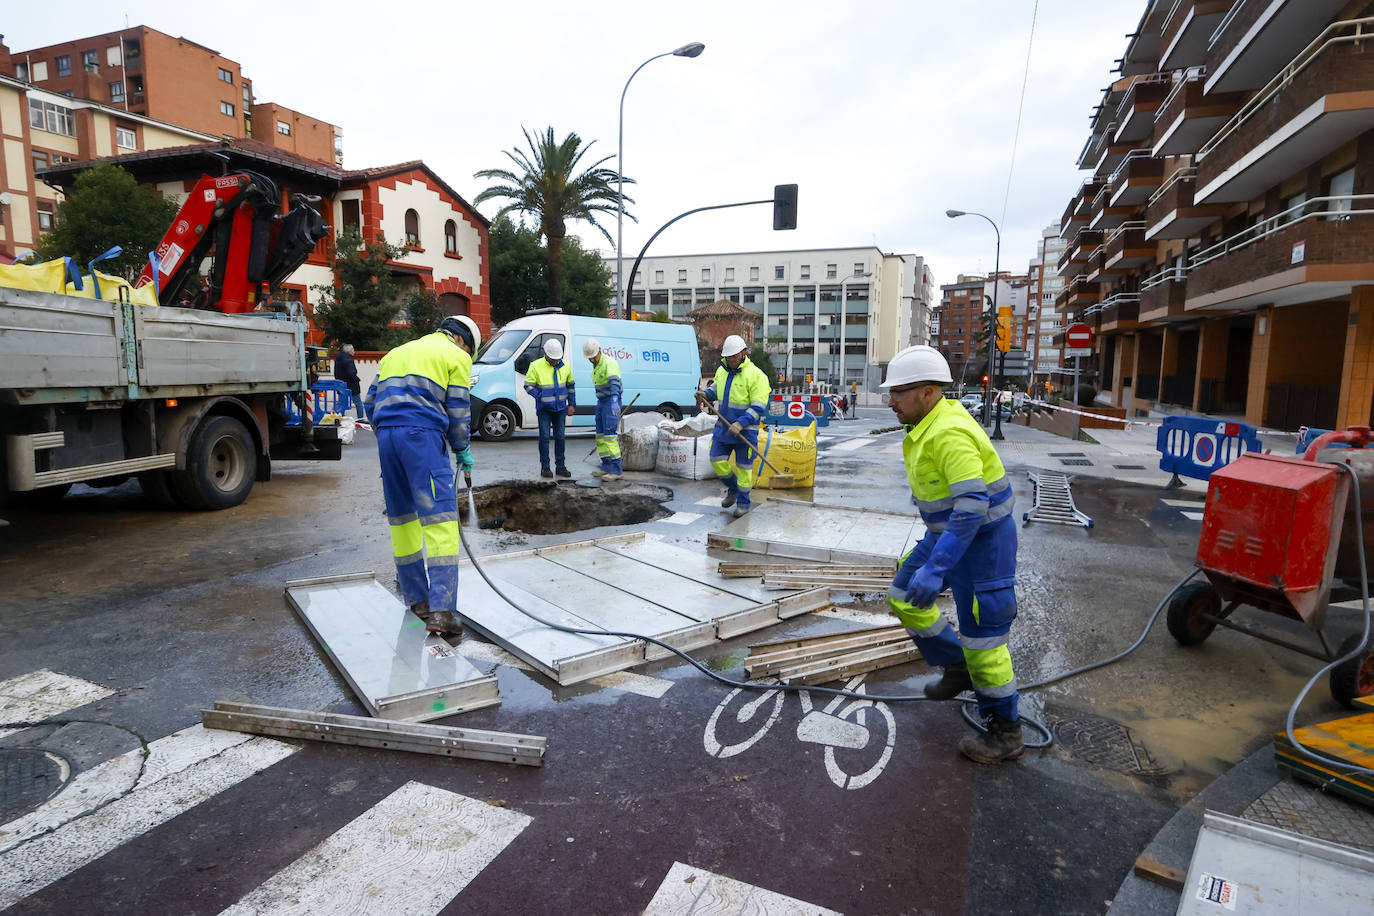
[413, 852]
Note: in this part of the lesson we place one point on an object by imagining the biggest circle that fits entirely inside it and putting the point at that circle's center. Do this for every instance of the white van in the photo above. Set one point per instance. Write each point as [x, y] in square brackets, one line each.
[658, 362]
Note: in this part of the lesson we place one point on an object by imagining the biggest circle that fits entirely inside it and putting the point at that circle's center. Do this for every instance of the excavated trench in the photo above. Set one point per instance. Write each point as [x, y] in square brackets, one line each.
[549, 507]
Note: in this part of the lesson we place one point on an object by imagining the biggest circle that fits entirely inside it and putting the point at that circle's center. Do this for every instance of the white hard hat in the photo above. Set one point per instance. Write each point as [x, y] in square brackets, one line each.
[733, 344]
[457, 324]
[553, 349]
[590, 347]
[917, 364]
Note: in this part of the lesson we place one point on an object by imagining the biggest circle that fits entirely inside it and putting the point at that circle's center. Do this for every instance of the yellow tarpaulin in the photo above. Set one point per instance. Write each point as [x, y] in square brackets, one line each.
[56, 277]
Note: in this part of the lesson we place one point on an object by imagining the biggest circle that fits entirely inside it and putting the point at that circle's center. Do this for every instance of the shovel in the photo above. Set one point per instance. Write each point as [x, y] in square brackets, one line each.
[620, 424]
[778, 479]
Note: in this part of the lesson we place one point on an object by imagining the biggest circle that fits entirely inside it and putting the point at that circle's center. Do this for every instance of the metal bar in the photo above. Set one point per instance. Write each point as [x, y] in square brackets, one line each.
[439, 740]
[843, 666]
[1251, 631]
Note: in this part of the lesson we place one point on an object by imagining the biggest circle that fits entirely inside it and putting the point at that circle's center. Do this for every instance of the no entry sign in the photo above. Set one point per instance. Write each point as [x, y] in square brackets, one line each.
[795, 409]
[1078, 335]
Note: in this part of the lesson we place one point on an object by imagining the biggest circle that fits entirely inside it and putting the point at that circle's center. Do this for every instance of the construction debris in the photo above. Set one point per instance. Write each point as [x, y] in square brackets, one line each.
[819, 659]
[440, 740]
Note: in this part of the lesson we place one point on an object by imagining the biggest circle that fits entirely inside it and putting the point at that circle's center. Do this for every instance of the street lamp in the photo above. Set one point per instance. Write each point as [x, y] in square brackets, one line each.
[996, 265]
[692, 49]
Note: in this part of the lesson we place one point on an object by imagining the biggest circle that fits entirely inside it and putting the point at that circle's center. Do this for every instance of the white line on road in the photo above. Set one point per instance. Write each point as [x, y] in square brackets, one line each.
[712, 501]
[412, 852]
[850, 445]
[182, 774]
[43, 694]
[1184, 503]
[681, 518]
[692, 890]
[1195, 516]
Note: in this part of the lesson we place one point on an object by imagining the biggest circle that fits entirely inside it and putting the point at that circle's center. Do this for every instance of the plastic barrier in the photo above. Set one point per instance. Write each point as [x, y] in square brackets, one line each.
[1309, 434]
[799, 410]
[327, 396]
[1196, 446]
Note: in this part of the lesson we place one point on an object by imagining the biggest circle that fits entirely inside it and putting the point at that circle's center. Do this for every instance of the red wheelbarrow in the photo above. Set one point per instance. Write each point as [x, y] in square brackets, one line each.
[1276, 532]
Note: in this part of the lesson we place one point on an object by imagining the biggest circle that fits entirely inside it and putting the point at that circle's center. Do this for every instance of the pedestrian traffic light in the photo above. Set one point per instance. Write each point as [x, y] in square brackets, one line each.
[784, 206]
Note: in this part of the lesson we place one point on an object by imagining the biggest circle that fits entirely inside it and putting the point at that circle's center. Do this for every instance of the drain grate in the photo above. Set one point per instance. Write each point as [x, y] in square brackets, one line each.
[1106, 744]
[1068, 454]
[1080, 462]
[28, 777]
[1130, 467]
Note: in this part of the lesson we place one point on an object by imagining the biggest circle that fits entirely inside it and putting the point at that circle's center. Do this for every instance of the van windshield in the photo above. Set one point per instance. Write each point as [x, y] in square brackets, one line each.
[502, 347]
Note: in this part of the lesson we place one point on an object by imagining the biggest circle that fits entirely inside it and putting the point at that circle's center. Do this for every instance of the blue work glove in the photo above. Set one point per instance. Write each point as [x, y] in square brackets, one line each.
[925, 585]
[465, 462]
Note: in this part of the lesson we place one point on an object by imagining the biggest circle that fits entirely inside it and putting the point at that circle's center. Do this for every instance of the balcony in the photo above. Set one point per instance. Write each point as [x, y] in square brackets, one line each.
[1092, 271]
[1083, 294]
[1257, 36]
[1162, 295]
[1319, 102]
[1186, 32]
[1189, 117]
[1097, 143]
[1138, 176]
[1079, 210]
[1135, 116]
[1317, 250]
[1127, 248]
[1172, 214]
[1075, 258]
[1118, 312]
[1142, 51]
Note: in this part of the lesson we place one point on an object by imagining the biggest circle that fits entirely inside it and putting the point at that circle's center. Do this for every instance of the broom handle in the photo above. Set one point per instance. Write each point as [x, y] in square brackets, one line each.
[719, 419]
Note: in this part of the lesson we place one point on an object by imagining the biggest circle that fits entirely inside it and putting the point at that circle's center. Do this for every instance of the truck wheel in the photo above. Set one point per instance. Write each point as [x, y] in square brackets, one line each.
[669, 411]
[497, 423]
[157, 486]
[1355, 678]
[1184, 617]
[221, 465]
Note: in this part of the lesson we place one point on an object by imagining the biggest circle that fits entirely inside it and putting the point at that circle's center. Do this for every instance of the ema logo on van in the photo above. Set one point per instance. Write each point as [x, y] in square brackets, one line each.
[655, 356]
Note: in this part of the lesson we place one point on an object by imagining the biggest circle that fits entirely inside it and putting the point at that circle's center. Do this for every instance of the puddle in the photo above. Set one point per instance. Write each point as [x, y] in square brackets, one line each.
[550, 507]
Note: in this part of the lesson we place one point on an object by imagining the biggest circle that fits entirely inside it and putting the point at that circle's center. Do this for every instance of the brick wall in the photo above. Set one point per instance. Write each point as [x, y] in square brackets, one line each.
[1327, 242]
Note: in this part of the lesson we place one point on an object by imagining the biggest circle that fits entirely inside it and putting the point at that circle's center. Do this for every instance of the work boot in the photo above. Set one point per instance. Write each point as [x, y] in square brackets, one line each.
[563, 472]
[1001, 741]
[545, 472]
[421, 610]
[445, 622]
[729, 500]
[599, 473]
[954, 680]
[611, 475]
[740, 511]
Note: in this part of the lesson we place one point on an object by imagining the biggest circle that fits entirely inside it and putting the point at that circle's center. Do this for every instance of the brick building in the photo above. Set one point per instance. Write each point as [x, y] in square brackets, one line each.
[1222, 246]
[961, 308]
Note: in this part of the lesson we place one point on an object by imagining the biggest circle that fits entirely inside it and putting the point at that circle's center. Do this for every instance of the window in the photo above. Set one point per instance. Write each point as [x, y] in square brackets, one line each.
[117, 91]
[226, 108]
[754, 274]
[45, 220]
[451, 237]
[40, 71]
[112, 57]
[125, 138]
[351, 211]
[131, 48]
[858, 268]
[1342, 185]
[658, 276]
[40, 160]
[90, 61]
[729, 275]
[830, 270]
[283, 128]
[225, 76]
[54, 119]
[21, 70]
[412, 228]
[779, 272]
[706, 275]
[682, 275]
[806, 271]
[64, 65]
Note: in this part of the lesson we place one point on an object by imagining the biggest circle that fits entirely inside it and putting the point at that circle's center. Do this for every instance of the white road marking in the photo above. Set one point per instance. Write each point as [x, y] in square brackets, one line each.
[412, 852]
[117, 776]
[682, 518]
[642, 684]
[1195, 516]
[1183, 503]
[850, 445]
[43, 694]
[166, 791]
[712, 501]
[692, 890]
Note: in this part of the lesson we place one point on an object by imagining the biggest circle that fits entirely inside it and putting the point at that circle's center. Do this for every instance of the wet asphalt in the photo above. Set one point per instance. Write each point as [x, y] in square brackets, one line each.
[175, 610]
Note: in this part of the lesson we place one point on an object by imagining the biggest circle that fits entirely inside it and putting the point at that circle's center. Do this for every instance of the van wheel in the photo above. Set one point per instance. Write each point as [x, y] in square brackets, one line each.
[497, 423]
[669, 411]
[221, 465]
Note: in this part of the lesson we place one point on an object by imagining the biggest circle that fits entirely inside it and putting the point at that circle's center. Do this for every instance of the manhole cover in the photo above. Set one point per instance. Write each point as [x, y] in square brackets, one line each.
[1106, 744]
[1076, 461]
[1130, 467]
[31, 777]
[545, 507]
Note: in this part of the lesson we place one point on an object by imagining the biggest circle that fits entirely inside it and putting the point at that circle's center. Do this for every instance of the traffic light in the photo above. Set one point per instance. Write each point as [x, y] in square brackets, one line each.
[1004, 328]
[784, 206]
[985, 380]
[808, 379]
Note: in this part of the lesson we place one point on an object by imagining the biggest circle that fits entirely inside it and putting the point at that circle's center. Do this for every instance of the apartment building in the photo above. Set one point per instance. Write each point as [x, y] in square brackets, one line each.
[407, 202]
[1044, 286]
[962, 304]
[834, 314]
[173, 80]
[913, 326]
[1220, 246]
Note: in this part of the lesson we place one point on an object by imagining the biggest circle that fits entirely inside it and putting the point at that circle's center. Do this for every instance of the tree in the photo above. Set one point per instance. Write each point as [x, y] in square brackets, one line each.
[519, 268]
[106, 206]
[549, 188]
[361, 304]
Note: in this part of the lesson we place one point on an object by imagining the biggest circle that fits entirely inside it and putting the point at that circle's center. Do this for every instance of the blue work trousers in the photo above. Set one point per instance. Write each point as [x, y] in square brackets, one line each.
[422, 510]
[552, 424]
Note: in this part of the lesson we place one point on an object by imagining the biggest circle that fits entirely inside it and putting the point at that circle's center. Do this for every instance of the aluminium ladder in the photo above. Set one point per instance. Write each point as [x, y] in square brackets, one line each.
[1053, 503]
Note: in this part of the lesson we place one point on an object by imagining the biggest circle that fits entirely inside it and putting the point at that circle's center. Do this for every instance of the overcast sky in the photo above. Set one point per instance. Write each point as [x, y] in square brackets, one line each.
[885, 113]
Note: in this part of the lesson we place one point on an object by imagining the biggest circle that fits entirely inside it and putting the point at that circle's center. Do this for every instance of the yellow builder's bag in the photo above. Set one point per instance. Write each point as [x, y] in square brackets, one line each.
[63, 276]
[792, 451]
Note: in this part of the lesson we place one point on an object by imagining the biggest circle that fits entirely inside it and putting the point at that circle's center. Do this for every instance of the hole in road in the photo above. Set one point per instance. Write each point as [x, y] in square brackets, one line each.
[547, 507]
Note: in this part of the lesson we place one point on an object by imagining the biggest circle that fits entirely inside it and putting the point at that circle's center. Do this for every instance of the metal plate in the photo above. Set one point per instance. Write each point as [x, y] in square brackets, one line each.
[52, 341]
[192, 347]
[395, 668]
[830, 534]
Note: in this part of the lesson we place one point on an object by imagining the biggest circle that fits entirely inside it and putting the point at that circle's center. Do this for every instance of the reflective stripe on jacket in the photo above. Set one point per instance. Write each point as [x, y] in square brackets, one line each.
[742, 394]
[953, 468]
[424, 383]
[551, 385]
[606, 377]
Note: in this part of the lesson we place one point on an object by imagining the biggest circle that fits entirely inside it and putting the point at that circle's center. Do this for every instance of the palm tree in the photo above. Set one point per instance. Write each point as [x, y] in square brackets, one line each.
[547, 185]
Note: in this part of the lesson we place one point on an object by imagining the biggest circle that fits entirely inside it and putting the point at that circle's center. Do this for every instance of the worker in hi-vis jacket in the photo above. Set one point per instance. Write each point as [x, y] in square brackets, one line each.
[740, 392]
[606, 378]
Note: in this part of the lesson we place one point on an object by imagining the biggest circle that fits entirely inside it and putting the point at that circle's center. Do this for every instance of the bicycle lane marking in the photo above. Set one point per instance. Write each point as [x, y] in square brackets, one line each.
[713, 745]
